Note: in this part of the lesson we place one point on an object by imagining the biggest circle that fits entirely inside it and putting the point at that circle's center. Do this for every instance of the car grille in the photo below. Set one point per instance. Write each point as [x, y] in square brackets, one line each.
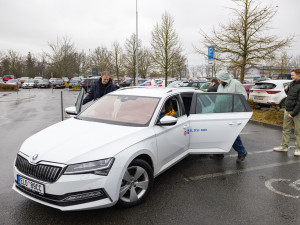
[41, 172]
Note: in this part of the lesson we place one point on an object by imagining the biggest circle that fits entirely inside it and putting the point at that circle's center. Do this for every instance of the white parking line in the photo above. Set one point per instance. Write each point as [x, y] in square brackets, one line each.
[230, 172]
[268, 184]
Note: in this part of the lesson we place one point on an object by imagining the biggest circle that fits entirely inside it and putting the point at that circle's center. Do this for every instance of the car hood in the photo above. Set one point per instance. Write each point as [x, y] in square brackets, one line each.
[73, 141]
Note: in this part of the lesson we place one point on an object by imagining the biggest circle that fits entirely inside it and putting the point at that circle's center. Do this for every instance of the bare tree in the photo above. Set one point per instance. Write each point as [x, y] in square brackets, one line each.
[283, 63]
[166, 47]
[145, 62]
[102, 58]
[245, 40]
[129, 56]
[296, 61]
[15, 63]
[62, 59]
[117, 53]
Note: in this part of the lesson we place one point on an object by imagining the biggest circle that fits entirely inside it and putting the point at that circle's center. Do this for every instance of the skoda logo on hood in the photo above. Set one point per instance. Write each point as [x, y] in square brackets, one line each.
[34, 157]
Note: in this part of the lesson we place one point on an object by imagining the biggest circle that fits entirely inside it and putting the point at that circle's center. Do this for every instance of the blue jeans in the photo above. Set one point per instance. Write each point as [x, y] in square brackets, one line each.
[239, 147]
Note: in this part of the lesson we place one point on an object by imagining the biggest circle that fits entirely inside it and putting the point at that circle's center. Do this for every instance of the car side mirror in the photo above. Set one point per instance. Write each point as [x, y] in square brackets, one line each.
[71, 110]
[167, 121]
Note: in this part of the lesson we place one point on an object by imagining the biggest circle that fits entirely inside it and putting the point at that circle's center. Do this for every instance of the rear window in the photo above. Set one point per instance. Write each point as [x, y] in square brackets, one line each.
[264, 86]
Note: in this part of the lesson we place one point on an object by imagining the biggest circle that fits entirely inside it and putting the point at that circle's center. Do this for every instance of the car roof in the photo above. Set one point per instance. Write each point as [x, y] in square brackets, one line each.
[151, 91]
[274, 81]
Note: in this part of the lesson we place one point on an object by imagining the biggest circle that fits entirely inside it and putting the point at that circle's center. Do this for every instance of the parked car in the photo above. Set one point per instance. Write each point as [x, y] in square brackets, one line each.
[43, 83]
[87, 83]
[58, 83]
[204, 87]
[269, 92]
[65, 79]
[195, 84]
[175, 83]
[8, 77]
[73, 83]
[14, 82]
[28, 84]
[126, 83]
[129, 144]
[248, 88]
[22, 79]
[51, 80]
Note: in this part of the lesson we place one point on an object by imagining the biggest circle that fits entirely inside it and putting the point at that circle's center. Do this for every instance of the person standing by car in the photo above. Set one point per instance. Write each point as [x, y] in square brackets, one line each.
[230, 85]
[291, 114]
[101, 87]
[214, 84]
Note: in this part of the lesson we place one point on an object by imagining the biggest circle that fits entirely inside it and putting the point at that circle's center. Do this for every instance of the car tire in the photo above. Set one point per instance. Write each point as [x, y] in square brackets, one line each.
[136, 183]
[282, 103]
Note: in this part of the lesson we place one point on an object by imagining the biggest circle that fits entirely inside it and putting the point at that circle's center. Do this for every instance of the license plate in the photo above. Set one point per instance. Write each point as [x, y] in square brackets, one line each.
[31, 185]
[258, 98]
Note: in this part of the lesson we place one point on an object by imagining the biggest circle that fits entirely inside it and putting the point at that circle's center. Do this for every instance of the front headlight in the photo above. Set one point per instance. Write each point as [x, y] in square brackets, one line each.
[99, 167]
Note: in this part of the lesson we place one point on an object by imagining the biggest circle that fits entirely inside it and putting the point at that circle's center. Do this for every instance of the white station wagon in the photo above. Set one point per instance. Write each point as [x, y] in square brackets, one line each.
[130, 142]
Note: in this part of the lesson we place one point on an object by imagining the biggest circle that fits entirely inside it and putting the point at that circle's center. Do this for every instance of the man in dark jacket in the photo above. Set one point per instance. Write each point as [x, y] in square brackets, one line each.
[101, 87]
[291, 114]
[214, 84]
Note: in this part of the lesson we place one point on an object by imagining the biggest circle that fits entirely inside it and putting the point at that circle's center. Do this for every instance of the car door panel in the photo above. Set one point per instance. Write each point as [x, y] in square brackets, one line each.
[172, 141]
[216, 120]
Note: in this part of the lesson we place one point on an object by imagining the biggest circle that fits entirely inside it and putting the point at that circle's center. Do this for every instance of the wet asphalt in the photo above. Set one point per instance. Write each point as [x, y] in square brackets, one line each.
[264, 189]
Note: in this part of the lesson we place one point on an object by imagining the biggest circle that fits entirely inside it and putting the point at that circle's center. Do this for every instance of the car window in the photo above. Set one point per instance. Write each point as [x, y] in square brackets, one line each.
[264, 86]
[219, 103]
[195, 84]
[174, 105]
[122, 110]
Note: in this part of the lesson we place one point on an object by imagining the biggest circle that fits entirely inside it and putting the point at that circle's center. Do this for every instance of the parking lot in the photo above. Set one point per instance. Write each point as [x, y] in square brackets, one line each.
[264, 189]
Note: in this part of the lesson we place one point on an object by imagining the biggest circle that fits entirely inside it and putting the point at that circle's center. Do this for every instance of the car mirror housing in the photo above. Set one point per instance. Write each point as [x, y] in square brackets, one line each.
[167, 121]
[71, 110]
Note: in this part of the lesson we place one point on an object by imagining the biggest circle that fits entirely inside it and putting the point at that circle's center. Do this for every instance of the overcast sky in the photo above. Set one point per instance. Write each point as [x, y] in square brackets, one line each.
[28, 25]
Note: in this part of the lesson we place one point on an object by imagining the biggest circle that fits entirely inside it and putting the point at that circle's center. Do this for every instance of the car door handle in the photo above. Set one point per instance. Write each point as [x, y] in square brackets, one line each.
[185, 127]
[235, 123]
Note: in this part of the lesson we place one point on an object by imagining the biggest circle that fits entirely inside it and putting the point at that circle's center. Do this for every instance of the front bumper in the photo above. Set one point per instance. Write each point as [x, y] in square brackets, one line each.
[69, 192]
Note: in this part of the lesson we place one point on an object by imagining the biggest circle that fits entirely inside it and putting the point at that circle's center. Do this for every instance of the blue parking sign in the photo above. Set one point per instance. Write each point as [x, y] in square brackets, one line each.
[211, 52]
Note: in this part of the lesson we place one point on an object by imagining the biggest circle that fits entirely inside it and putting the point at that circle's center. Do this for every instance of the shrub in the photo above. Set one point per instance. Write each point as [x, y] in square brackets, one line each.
[75, 87]
[7, 87]
[253, 104]
[275, 113]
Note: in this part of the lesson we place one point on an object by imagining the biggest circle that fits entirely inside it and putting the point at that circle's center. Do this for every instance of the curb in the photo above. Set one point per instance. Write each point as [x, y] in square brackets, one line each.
[263, 124]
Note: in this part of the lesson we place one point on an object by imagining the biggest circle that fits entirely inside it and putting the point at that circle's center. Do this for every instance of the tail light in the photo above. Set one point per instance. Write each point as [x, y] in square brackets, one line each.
[82, 84]
[251, 90]
[273, 92]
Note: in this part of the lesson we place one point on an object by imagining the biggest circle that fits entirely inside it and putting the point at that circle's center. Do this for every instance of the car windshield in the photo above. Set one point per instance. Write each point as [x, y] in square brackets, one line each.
[122, 110]
[264, 86]
[185, 84]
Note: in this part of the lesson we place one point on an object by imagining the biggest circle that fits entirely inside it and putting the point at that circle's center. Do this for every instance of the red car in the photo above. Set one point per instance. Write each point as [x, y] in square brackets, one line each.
[8, 77]
[248, 88]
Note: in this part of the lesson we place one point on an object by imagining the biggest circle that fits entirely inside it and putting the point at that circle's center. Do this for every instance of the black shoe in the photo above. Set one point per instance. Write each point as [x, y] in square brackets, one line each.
[217, 156]
[241, 158]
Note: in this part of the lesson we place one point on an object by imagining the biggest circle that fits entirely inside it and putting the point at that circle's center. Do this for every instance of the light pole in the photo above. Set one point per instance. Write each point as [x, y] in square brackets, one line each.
[136, 48]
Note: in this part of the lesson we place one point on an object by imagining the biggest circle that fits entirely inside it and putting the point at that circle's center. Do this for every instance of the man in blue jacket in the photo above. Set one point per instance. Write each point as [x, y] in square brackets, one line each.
[101, 87]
